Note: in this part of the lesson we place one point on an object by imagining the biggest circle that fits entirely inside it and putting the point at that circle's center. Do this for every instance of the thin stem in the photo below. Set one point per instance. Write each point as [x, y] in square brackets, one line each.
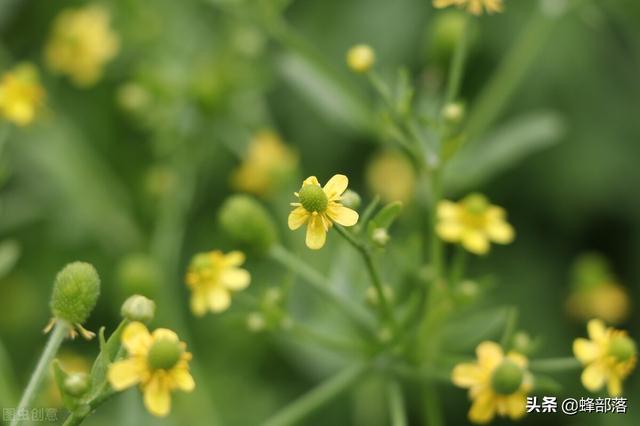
[436, 244]
[458, 266]
[552, 365]
[60, 331]
[397, 409]
[433, 407]
[322, 394]
[510, 327]
[319, 283]
[456, 70]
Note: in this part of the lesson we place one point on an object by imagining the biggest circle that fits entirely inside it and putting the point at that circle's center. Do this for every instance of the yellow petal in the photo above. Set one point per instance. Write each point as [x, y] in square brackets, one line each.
[236, 279]
[234, 258]
[136, 338]
[342, 215]
[614, 385]
[489, 354]
[448, 210]
[500, 232]
[199, 303]
[125, 373]
[466, 375]
[585, 350]
[182, 379]
[483, 408]
[593, 377]
[597, 330]
[298, 217]
[311, 180]
[316, 233]
[449, 230]
[219, 299]
[165, 334]
[476, 242]
[157, 397]
[336, 186]
[516, 405]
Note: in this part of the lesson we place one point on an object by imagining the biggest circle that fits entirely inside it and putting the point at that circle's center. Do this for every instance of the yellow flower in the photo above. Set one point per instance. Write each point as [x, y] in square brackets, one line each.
[21, 94]
[320, 207]
[391, 176]
[609, 356]
[212, 277]
[497, 383]
[472, 6]
[609, 301]
[81, 44]
[267, 164]
[473, 222]
[158, 363]
[360, 58]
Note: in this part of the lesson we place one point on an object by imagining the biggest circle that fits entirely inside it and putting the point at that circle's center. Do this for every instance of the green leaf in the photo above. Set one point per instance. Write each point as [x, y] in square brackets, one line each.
[466, 331]
[386, 216]
[481, 160]
[108, 353]
[60, 376]
[9, 255]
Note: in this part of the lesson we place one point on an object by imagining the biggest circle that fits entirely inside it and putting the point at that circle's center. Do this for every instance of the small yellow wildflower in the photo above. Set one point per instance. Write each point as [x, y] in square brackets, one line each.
[473, 222]
[21, 94]
[81, 44]
[157, 362]
[497, 383]
[609, 356]
[212, 277]
[320, 207]
[267, 164]
[391, 176]
[472, 6]
[360, 58]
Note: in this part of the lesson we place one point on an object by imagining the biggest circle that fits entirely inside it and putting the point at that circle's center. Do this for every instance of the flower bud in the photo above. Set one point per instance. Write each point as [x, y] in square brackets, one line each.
[248, 223]
[507, 378]
[137, 273]
[76, 384]
[75, 292]
[453, 112]
[380, 237]
[138, 308]
[256, 322]
[360, 58]
[351, 199]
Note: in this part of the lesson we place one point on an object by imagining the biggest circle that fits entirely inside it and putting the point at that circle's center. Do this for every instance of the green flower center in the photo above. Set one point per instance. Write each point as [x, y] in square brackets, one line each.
[507, 378]
[622, 348]
[164, 354]
[313, 198]
[476, 203]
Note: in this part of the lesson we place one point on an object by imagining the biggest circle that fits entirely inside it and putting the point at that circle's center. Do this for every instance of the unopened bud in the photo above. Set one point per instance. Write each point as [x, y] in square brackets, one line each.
[351, 199]
[138, 308]
[76, 384]
[248, 223]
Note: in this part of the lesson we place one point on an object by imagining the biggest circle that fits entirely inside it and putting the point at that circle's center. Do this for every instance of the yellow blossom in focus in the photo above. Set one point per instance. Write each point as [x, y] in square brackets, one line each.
[212, 277]
[609, 356]
[158, 362]
[21, 94]
[472, 6]
[81, 43]
[474, 223]
[497, 383]
[391, 176]
[319, 207]
[267, 164]
[360, 58]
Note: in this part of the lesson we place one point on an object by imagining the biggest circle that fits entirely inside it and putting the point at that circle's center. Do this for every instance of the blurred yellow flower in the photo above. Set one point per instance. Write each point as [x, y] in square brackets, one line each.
[267, 164]
[497, 383]
[472, 6]
[609, 356]
[158, 363]
[21, 94]
[391, 176]
[81, 43]
[212, 277]
[474, 223]
[320, 207]
[360, 58]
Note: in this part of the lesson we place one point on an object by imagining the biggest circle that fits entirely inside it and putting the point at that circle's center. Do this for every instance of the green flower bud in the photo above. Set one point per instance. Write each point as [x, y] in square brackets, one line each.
[380, 237]
[453, 113]
[445, 34]
[164, 354]
[522, 343]
[75, 292]
[248, 223]
[622, 348]
[138, 273]
[351, 199]
[76, 384]
[138, 308]
[507, 378]
[256, 322]
[313, 198]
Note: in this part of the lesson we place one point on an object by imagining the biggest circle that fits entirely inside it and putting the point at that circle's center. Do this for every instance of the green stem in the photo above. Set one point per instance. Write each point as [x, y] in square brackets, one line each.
[510, 327]
[433, 407]
[397, 409]
[436, 244]
[552, 365]
[456, 70]
[458, 266]
[322, 394]
[319, 283]
[60, 331]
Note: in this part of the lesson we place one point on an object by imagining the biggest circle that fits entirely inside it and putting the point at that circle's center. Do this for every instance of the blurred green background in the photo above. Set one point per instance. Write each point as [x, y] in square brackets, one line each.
[97, 182]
